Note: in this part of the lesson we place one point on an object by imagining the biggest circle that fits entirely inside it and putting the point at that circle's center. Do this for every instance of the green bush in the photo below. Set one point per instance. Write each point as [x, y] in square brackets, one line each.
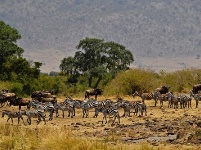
[132, 80]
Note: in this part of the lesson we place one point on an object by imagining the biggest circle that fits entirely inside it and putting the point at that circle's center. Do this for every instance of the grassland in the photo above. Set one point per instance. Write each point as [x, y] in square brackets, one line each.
[89, 133]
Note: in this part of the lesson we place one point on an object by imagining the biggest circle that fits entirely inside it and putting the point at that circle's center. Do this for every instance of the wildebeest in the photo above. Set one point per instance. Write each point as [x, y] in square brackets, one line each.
[95, 91]
[163, 89]
[2, 100]
[6, 96]
[196, 88]
[20, 102]
[44, 96]
[38, 94]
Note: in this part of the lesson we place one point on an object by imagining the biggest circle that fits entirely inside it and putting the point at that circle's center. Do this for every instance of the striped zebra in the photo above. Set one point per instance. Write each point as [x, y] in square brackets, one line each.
[12, 115]
[104, 103]
[140, 108]
[126, 106]
[173, 100]
[147, 96]
[109, 111]
[185, 101]
[74, 104]
[90, 104]
[34, 114]
[197, 98]
[47, 107]
[162, 98]
[64, 107]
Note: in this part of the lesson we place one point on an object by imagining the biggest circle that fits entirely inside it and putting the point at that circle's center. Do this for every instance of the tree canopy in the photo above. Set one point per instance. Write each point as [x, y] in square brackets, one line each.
[13, 66]
[96, 58]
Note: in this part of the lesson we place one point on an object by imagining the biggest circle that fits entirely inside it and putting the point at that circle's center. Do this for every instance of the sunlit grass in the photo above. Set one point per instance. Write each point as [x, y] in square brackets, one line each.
[61, 138]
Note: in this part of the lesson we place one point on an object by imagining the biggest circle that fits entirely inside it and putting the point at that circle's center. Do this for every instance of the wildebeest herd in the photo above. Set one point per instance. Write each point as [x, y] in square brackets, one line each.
[44, 102]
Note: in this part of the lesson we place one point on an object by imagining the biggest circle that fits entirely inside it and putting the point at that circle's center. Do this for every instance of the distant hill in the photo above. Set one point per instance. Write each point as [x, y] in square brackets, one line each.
[161, 34]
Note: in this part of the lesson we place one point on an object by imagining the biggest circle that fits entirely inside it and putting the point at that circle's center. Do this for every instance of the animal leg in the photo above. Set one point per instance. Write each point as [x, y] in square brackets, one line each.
[29, 120]
[23, 121]
[12, 120]
[115, 116]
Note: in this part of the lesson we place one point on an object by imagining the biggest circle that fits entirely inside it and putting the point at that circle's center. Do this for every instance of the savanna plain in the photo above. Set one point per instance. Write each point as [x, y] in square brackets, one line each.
[162, 128]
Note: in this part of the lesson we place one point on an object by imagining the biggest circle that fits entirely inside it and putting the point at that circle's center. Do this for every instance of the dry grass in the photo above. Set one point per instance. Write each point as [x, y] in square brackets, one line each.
[88, 133]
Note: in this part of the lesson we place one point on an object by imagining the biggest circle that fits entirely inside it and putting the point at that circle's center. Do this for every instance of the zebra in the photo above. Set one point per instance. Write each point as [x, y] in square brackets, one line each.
[147, 96]
[173, 100]
[127, 106]
[86, 105]
[104, 103]
[109, 111]
[47, 107]
[12, 115]
[63, 107]
[34, 113]
[140, 107]
[162, 98]
[185, 101]
[197, 97]
[74, 104]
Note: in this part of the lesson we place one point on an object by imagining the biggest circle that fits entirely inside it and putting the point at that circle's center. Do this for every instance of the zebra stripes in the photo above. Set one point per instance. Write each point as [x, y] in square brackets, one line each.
[64, 107]
[90, 104]
[109, 111]
[43, 107]
[147, 96]
[12, 115]
[197, 97]
[34, 114]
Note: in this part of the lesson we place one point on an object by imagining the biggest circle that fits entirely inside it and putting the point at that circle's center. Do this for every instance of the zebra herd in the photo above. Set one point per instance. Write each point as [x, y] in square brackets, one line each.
[174, 101]
[107, 107]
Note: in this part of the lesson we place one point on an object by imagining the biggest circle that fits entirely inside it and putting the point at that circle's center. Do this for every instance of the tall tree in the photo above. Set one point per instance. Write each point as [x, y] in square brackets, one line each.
[12, 64]
[96, 58]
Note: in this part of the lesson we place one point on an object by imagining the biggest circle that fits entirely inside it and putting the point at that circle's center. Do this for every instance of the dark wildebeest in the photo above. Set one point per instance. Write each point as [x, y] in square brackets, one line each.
[6, 96]
[20, 102]
[38, 94]
[163, 89]
[3, 100]
[196, 88]
[95, 91]
[44, 96]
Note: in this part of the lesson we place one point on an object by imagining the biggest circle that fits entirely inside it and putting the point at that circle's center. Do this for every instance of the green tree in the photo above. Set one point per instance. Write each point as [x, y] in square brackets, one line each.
[12, 65]
[97, 58]
[67, 65]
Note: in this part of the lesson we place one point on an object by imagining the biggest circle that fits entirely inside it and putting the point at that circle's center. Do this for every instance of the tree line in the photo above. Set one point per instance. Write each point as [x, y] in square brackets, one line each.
[96, 63]
[94, 60]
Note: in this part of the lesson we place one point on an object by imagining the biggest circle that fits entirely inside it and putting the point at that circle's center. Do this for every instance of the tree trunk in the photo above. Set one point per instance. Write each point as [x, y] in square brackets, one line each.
[98, 81]
[90, 81]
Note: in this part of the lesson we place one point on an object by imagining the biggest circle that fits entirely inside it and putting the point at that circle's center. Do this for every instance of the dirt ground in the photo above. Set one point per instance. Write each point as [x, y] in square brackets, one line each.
[161, 125]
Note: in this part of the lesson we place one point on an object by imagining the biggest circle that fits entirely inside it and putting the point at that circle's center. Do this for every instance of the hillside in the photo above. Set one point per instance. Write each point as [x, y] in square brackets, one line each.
[161, 34]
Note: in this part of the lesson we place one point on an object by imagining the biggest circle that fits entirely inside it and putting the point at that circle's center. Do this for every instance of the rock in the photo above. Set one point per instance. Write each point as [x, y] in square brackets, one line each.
[198, 123]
